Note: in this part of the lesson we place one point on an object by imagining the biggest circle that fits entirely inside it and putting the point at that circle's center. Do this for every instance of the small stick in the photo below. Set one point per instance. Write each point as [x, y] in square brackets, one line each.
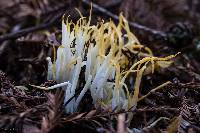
[132, 24]
[30, 29]
[155, 89]
[52, 87]
[158, 109]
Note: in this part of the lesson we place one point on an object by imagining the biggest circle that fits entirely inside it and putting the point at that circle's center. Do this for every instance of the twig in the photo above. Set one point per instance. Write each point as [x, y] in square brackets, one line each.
[29, 30]
[132, 24]
[95, 6]
[155, 89]
[69, 100]
[156, 122]
[158, 109]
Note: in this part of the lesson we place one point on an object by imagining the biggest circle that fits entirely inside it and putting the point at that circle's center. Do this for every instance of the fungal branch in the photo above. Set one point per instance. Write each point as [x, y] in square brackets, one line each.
[106, 56]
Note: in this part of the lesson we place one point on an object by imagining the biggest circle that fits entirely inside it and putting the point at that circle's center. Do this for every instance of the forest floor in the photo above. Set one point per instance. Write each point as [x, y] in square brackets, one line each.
[28, 30]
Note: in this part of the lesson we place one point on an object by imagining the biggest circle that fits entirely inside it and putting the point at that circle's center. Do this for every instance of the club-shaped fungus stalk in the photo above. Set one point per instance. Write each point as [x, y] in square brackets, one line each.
[102, 56]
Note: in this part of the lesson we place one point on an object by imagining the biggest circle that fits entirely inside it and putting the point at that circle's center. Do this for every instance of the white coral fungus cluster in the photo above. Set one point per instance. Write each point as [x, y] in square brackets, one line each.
[104, 54]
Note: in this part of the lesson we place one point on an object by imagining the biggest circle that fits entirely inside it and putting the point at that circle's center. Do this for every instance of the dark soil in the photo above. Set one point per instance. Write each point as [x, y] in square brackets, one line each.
[28, 29]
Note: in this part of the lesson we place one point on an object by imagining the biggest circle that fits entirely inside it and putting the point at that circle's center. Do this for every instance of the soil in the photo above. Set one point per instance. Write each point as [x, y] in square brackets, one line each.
[28, 30]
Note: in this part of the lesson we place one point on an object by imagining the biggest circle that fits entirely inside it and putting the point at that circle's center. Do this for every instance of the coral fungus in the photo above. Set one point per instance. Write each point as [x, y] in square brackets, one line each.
[105, 53]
